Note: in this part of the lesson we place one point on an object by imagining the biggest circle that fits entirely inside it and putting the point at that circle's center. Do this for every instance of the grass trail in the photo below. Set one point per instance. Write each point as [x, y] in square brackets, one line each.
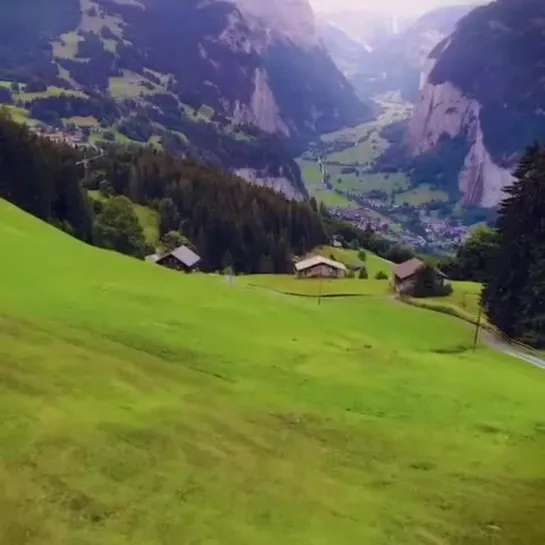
[144, 406]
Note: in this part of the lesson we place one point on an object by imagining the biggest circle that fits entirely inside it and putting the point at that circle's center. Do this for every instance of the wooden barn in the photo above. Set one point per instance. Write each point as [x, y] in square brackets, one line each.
[320, 267]
[406, 276]
[181, 259]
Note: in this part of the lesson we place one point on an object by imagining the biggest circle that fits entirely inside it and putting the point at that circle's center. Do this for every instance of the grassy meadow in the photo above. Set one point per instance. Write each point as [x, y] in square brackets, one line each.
[290, 285]
[373, 263]
[141, 405]
[313, 180]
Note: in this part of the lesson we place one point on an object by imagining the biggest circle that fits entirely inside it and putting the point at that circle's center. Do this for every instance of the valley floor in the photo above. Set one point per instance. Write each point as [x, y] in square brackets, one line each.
[144, 406]
[339, 170]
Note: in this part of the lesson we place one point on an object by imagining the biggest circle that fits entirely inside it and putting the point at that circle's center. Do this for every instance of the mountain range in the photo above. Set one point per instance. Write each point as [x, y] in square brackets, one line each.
[386, 54]
[245, 85]
[226, 81]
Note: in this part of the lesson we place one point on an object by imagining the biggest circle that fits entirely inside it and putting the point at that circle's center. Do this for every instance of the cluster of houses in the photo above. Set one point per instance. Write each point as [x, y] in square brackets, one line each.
[405, 275]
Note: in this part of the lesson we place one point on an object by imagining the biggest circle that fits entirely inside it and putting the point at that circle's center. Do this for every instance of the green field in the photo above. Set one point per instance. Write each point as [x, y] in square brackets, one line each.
[66, 47]
[360, 184]
[313, 180]
[290, 285]
[143, 406]
[421, 195]
[310, 171]
[131, 85]
[88, 121]
[98, 138]
[464, 301]
[373, 263]
[19, 115]
[361, 153]
[51, 91]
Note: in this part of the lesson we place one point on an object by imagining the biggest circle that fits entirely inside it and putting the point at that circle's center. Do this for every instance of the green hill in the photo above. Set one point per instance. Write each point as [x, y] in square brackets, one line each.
[373, 262]
[144, 406]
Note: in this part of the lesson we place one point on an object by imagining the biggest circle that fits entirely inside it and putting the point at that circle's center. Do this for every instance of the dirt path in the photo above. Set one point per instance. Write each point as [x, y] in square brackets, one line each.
[498, 344]
[501, 346]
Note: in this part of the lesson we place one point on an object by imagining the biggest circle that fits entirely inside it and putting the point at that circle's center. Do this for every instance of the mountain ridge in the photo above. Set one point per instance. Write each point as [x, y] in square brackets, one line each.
[395, 60]
[492, 101]
[171, 60]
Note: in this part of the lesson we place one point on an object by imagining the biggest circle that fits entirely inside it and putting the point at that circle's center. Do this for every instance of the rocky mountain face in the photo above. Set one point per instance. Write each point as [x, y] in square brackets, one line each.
[397, 57]
[216, 76]
[348, 54]
[484, 86]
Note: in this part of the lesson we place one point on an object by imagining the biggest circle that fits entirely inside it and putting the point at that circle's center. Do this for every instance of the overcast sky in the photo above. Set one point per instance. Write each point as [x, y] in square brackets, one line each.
[392, 6]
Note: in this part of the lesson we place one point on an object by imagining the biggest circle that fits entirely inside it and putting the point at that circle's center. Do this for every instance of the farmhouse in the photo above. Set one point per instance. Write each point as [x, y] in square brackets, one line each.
[320, 267]
[180, 259]
[407, 274]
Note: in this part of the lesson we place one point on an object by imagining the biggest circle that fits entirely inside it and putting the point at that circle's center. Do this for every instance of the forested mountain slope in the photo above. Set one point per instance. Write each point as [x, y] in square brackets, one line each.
[231, 223]
[209, 78]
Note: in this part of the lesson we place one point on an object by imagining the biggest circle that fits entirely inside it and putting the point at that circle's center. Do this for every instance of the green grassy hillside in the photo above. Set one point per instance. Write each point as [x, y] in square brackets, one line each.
[144, 406]
[373, 262]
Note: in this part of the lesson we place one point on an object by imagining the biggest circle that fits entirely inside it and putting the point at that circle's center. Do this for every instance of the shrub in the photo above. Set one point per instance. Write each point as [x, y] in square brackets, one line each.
[363, 273]
[381, 275]
[106, 189]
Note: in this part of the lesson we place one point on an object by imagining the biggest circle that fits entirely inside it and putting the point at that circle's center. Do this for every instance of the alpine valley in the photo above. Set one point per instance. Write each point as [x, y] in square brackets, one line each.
[459, 97]
[411, 125]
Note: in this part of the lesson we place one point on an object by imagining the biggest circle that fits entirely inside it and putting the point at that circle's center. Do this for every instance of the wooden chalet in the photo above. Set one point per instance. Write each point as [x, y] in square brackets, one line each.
[320, 267]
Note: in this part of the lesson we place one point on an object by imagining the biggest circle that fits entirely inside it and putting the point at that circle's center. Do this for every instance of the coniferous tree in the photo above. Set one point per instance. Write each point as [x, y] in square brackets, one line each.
[42, 178]
[514, 297]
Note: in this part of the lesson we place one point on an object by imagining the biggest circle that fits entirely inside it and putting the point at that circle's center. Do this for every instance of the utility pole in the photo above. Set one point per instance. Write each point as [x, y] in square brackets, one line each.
[477, 327]
[320, 292]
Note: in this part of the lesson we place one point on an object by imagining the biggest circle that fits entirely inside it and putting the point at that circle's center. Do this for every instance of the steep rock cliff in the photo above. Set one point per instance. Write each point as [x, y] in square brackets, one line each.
[445, 112]
[484, 84]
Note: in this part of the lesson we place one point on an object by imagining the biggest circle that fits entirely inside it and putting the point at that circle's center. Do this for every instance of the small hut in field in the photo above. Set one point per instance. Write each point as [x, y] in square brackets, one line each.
[320, 267]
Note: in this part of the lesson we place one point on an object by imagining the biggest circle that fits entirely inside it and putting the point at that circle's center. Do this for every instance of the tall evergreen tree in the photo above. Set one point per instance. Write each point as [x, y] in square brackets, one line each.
[42, 178]
[514, 297]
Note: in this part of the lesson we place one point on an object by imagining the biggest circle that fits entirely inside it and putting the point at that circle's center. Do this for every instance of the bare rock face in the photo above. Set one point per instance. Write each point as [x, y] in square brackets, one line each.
[291, 20]
[280, 183]
[444, 111]
[296, 90]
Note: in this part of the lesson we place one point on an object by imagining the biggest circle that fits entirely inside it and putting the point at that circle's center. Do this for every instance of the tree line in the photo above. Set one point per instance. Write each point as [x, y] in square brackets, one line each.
[230, 222]
[41, 177]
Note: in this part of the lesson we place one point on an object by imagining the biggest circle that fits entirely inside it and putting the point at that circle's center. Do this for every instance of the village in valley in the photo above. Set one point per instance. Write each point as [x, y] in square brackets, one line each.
[339, 170]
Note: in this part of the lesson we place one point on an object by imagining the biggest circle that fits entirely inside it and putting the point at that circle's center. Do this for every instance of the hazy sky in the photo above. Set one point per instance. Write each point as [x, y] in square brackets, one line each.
[393, 6]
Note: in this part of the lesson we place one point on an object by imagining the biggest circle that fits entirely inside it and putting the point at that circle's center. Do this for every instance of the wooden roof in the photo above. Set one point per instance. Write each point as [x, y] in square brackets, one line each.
[408, 268]
[184, 255]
